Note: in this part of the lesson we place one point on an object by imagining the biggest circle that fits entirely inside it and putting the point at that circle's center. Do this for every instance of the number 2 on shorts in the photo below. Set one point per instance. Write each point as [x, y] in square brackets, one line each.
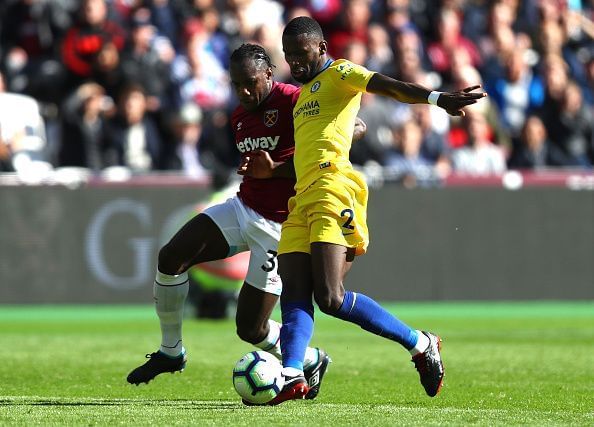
[350, 216]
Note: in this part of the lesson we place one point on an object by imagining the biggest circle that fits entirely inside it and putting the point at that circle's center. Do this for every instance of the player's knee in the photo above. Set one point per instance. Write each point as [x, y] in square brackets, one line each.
[329, 303]
[250, 334]
[168, 260]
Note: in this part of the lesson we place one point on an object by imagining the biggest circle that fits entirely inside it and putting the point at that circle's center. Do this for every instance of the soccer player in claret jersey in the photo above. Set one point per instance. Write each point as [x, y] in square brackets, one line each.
[250, 221]
[326, 227]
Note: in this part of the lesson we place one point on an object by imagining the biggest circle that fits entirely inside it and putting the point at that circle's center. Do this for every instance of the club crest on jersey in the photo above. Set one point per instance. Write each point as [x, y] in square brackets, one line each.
[315, 86]
[270, 117]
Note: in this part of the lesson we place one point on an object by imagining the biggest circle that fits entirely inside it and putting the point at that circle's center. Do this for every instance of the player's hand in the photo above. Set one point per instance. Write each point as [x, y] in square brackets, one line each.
[257, 164]
[360, 129]
[453, 102]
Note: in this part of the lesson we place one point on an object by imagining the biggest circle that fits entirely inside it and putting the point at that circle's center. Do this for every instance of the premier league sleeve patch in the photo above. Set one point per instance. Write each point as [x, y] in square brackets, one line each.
[270, 117]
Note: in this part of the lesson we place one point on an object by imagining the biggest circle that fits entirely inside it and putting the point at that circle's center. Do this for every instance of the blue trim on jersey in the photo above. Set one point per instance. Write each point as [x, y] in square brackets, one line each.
[326, 65]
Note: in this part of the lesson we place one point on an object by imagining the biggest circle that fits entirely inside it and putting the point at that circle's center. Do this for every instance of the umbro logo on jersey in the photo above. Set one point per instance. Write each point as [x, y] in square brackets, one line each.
[315, 86]
[239, 125]
[270, 117]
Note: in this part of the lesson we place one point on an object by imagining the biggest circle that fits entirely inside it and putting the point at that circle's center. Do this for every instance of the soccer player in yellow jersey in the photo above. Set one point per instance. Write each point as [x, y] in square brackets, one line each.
[326, 227]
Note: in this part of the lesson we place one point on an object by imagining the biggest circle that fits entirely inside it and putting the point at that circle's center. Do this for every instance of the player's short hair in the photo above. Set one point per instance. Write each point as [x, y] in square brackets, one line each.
[303, 25]
[254, 52]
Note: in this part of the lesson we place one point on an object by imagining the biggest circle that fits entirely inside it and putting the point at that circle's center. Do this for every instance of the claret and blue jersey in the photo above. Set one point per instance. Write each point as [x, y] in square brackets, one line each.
[269, 128]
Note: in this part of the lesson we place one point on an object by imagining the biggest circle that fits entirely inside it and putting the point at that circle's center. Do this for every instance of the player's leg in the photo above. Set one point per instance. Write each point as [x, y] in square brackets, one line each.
[338, 232]
[252, 319]
[297, 309]
[199, 240]
[260, 293]
[298, 323]
[330, 262]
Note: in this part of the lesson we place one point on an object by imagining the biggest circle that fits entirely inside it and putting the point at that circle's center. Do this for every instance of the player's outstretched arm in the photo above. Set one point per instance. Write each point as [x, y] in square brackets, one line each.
[411, 93]
[259, 164]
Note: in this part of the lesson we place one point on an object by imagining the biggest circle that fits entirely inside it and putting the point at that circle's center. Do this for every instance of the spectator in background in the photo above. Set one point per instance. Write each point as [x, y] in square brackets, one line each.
[552, 41]
[381, 57]
[405, 161]
[122, 10]
[84, 141]
[497, 48]
[409, 67]
[167, 16]
[146, 60]
[517, 93]
[199, 75]
[534, 150]
[573, 129]
[23, 144]
[352, 26]
[30, 32]
[434, 146]
[134, 138]
[217, 40]
[323, 11]
[480, 156]
[91, 48]
[377, 113]
[188, 133]
[449, 39]
[355, 51]
[407, 41]
[244, 17]
[556, 78]
[398, 17]
[464, 76]
[589, 87]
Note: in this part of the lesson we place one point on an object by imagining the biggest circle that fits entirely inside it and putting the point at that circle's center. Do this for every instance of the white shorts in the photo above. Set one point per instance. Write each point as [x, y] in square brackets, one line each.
[246, 230]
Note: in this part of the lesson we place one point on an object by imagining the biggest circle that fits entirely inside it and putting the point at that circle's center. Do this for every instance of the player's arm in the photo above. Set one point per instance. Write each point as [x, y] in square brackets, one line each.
[259, 164]
[412, 93]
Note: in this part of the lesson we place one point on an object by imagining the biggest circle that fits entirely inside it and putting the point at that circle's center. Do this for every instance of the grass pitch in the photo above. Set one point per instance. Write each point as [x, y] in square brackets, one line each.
[506, 364]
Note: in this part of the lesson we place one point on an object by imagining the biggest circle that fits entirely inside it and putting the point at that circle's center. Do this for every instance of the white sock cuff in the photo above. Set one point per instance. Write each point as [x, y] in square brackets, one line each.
[422, 344]
[169, 280]
[271, 340]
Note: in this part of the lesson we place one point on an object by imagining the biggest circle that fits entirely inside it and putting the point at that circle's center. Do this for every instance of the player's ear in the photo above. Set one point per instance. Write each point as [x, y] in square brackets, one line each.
[323, 46]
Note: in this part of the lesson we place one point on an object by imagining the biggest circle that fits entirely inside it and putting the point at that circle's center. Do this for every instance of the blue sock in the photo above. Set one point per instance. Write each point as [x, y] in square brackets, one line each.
[365, 312]
[296, 332]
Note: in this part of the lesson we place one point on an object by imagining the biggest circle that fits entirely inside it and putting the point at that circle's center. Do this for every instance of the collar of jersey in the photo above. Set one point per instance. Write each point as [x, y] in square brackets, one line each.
[329, 62]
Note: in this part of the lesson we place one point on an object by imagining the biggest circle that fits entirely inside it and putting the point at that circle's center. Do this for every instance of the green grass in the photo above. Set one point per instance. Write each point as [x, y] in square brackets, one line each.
[506, 364]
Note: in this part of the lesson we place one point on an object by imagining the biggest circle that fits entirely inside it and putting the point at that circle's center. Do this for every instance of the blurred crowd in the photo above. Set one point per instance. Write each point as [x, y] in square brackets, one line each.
[142, 85]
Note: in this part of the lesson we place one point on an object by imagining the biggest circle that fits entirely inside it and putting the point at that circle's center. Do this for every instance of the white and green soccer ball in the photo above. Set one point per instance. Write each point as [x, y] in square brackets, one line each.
[257, 377]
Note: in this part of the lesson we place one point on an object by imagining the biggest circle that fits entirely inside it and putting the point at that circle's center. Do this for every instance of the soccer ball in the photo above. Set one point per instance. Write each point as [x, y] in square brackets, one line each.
[257, 377]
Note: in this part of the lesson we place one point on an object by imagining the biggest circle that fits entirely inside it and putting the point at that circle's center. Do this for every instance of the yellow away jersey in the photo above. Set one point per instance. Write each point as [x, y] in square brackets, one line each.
[324, 119]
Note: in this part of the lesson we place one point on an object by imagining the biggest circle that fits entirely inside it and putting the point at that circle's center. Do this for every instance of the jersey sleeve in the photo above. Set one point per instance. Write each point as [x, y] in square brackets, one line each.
[350, 76]
[295, 96]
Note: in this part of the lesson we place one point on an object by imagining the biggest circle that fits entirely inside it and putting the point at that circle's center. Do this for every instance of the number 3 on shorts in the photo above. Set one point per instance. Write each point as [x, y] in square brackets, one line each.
[270, 263]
